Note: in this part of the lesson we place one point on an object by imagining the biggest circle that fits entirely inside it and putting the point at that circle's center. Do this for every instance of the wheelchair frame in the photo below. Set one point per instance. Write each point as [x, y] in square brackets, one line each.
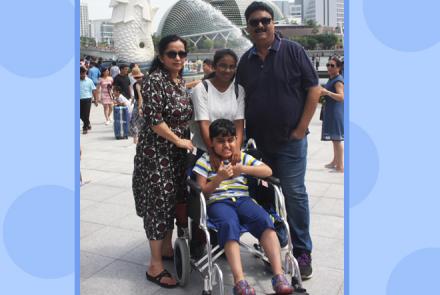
[206, 265]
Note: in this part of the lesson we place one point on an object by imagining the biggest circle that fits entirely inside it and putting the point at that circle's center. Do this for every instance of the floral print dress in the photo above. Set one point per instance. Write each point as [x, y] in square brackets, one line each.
[159, 178]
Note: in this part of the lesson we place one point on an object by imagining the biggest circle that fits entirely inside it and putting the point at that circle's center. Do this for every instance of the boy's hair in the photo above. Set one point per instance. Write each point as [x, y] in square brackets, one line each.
[221, 127]
[82, 70]
[117, 88]
[257, 5]
[208, 62]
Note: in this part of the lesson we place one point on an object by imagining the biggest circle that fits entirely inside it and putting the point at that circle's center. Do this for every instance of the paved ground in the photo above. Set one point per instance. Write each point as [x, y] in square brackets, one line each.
[114, 250]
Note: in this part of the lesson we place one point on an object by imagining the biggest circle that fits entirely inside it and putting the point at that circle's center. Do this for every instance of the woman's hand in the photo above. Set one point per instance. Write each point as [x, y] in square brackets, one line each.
[185, 144]
[225, 171]
[324, 91]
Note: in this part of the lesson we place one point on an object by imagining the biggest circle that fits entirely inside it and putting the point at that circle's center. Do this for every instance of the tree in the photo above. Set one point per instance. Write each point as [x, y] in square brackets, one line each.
[190, 45]
[219, 43]
[328, 41]
[206, 44]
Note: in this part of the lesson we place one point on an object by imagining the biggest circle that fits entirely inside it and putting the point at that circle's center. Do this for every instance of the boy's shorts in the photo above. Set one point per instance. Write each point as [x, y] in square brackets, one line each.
[228, 214]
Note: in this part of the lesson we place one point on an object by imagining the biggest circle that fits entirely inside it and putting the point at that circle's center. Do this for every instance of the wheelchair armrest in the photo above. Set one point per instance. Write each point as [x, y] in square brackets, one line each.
[195, 186]
[272, 180]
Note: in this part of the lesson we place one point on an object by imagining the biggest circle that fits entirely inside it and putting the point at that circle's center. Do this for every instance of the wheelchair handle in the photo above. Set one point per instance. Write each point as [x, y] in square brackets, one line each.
[195, 186]
[272, 180]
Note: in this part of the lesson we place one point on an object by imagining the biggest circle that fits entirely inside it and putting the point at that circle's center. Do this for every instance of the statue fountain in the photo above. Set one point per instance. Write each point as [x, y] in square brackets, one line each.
[132, 30]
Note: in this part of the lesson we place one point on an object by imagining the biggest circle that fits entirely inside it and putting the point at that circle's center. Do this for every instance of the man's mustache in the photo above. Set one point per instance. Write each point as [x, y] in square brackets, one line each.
[260, 31]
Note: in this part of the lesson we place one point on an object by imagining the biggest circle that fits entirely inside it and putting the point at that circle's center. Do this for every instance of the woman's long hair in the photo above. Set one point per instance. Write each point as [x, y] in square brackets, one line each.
[163, 44]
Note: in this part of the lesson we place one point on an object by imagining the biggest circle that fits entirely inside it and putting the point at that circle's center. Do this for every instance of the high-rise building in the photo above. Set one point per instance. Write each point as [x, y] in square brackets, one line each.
[102, 31]
[84, 24]
[329, 13]
[291, 10]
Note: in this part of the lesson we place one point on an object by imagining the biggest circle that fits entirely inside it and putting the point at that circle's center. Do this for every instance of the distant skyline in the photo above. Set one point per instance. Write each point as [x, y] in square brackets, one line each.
[99, 9]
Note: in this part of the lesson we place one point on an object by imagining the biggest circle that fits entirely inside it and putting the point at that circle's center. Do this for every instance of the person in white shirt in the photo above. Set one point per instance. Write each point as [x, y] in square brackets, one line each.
[218, 98]
[120, 99]
[114, 70]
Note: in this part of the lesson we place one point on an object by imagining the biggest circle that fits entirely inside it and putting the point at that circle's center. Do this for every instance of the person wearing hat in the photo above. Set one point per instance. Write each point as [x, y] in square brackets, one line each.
[137, 119]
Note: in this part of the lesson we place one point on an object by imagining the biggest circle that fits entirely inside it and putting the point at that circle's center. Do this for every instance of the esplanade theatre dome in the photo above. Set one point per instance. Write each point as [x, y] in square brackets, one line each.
[199, 17]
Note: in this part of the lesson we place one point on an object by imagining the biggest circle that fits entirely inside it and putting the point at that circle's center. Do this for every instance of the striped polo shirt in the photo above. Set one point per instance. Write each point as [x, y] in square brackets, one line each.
[229, 188]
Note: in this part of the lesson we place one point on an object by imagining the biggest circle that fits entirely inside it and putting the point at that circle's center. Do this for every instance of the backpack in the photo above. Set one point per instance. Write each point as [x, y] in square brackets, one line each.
[205, 84]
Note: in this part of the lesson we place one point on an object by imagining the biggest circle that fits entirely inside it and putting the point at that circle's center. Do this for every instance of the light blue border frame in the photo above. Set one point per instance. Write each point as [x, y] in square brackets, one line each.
[77, 150]
[346, 147]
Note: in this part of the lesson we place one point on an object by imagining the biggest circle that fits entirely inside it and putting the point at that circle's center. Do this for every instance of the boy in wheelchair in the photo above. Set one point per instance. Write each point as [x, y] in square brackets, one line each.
[229, 206]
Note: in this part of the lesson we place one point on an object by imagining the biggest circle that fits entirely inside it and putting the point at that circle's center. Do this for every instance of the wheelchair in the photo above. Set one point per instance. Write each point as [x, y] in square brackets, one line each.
[205, 264]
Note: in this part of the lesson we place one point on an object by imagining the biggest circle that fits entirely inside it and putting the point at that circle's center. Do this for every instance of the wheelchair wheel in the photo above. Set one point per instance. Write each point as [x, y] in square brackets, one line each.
[181, 261]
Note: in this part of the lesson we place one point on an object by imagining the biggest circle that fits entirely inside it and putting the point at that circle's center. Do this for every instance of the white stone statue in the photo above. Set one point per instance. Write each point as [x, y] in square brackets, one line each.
[132, 29]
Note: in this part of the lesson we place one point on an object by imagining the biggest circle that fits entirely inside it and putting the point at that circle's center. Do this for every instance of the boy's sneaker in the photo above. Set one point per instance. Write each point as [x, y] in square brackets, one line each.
[243, 288]
[305, 265]
[280, 285]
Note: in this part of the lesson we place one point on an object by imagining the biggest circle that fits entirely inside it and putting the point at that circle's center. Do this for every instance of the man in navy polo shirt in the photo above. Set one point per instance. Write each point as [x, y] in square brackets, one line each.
[282, 92]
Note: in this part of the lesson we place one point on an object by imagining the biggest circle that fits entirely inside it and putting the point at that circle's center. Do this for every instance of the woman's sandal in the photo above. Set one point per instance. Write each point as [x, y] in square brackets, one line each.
[159, 277]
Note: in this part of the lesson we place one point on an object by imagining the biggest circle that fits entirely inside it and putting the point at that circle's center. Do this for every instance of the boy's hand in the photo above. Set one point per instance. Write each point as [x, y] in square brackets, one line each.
[225, 171]
[237, 169]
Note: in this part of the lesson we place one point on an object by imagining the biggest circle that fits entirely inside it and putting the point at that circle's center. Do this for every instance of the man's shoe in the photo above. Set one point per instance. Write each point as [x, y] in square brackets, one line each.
[89, 127]
[84, 131]
[305, 265]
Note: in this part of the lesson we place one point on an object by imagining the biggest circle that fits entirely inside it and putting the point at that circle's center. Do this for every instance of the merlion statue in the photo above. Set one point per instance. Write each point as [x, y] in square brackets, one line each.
[132, 29]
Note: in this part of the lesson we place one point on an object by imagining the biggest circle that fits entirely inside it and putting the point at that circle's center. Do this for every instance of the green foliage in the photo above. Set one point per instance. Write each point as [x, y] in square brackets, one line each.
[190, 45]
[219, 43]
[324, 41]
[87, 41]
[206, 44]
[312, 23]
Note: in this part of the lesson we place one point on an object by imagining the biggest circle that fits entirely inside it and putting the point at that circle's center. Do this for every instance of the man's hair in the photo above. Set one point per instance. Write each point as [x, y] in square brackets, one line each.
[221, 127]
[257, 5]
[82, 70]
[117, 88]
[208, 62]
[122, 66]
[113, 63]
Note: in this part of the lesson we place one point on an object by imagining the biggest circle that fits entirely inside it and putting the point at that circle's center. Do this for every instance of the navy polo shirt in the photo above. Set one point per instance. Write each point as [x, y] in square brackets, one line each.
[276, 91]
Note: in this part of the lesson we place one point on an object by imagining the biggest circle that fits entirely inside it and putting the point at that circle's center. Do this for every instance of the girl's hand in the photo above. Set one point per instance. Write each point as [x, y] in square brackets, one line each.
[236, 156]
[214, 160]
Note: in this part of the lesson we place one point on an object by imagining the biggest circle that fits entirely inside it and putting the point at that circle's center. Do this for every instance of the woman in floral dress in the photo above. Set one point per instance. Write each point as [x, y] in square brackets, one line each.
[104, 82]
[159, 163]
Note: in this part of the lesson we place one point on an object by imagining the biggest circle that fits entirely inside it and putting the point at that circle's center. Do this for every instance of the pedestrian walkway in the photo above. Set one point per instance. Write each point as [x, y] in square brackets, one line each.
[114, 250]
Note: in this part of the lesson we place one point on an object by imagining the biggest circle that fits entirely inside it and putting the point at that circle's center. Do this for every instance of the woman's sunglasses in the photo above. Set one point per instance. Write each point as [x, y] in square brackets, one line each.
[174, 54]
[256, 21]
[331, 65]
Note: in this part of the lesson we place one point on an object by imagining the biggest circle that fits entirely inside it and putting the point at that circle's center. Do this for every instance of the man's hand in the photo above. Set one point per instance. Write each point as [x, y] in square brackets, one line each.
[298, 134]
